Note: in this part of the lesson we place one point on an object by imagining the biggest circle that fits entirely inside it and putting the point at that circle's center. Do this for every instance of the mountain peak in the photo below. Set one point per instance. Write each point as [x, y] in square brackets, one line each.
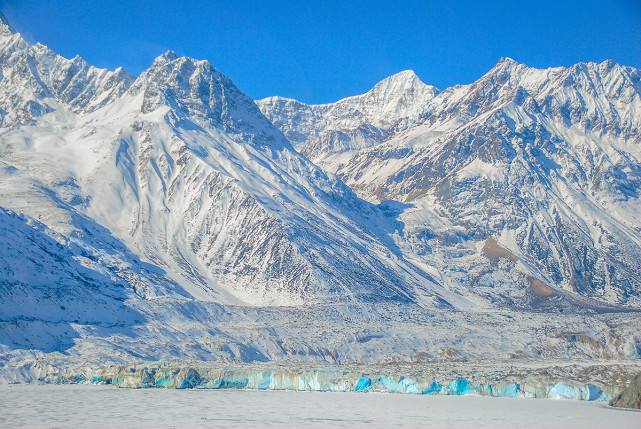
[506, 60]
[165, 58]
[404, 75]
[608, 66]
[506, 63]
[5, 28]
[405, 78]
[402, 82]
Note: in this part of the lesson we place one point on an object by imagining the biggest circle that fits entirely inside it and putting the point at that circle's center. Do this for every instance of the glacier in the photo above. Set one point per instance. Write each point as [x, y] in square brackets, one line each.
[169, 218]
[73, 405]
[529, 383]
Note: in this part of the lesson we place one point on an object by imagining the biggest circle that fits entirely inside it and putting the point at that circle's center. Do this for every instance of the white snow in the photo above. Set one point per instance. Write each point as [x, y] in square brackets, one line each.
[478, 168]
[98, 407]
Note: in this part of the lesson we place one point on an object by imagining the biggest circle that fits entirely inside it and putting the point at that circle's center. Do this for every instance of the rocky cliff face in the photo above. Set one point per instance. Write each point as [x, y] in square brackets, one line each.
[630, 396]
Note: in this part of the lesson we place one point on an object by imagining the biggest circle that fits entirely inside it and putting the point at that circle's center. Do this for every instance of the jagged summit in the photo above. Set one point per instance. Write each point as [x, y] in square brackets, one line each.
[405, 84]
[36, 82]
[353, 122]
[197, 91]
[406, 75]
[506, 62]
[405, 79]
[588, 74]
[5, 28]
[167, 56]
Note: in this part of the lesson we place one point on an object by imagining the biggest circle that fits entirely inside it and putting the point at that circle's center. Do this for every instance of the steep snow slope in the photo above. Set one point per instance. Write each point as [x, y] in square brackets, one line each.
[524, 180]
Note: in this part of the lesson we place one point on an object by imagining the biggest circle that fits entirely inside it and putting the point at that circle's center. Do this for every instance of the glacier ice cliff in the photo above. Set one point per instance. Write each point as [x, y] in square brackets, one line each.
[574, 382]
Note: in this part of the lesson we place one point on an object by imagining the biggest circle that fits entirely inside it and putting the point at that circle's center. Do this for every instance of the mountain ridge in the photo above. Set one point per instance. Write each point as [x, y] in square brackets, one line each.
[362, 119]
[565, 135]
[164, 218]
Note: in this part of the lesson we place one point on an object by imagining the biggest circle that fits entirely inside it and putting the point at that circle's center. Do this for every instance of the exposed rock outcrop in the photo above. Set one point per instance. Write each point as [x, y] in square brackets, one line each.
[630, 397]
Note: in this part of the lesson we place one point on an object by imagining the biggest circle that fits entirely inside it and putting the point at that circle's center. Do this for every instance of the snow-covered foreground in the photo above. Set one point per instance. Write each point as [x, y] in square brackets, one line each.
[101, 406]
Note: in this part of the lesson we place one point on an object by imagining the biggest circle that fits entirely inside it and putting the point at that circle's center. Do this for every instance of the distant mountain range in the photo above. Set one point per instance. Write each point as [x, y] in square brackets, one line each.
[526, 177]
[144, 217]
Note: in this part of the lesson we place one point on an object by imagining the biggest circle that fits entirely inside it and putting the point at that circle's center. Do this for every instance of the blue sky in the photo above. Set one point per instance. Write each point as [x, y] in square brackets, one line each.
[323, 51]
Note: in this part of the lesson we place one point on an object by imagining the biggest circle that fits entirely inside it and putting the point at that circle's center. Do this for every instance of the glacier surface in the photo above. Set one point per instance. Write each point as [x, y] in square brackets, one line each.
[165, 218]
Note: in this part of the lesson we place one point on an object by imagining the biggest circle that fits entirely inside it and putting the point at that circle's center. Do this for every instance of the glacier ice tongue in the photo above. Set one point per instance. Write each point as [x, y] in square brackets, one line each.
[337, 379]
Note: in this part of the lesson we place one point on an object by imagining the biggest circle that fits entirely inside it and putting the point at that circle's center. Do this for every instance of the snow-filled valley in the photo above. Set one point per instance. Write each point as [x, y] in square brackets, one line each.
[486, 231]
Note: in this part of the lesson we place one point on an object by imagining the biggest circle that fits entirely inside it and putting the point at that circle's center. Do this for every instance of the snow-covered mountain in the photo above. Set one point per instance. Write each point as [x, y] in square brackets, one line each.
[35, 80]
[183, 168]
[164, 217]
[353, 123]
[526, 179]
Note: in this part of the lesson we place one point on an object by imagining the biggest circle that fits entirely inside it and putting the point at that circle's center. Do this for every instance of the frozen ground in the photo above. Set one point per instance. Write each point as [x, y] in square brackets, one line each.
[103, 406]
[159, 231]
